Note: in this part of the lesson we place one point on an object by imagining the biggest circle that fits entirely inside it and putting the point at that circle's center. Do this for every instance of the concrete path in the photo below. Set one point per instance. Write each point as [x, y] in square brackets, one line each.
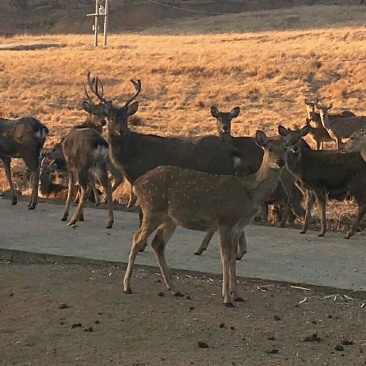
[273, 253]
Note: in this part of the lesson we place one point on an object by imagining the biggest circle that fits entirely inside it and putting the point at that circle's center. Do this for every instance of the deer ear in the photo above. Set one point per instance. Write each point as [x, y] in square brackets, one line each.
[261, 138]
[282, 131]
[235, 112]
[305, 130]
[214, 112]
[132, 109]
[86, 106]
[330, 106]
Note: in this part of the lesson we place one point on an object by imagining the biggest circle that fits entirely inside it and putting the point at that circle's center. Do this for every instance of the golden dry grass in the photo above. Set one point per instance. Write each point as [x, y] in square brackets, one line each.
[266, 73]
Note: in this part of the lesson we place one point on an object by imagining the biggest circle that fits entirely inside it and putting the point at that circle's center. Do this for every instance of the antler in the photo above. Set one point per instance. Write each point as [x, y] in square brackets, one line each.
[137, 85]
[94, 87]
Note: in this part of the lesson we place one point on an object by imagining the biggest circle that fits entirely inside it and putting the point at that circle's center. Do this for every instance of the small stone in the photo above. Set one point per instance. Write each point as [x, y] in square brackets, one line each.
[313, 338]
[62, 323]
[271, 338]
[330, 316]
[232, 328]
[314, 322]
[222, 325]
[63, 306]
[202, 344]
[276, 317]
[76, 325]
[188, 297]
[191, 308]
[339, 347]
[346, 342]
[97, 322]
[161, 294]
[273, 351]
[90, 329]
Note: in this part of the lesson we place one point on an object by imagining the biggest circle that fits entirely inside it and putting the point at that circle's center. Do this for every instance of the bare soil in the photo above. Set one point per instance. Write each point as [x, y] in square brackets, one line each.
[77, 314]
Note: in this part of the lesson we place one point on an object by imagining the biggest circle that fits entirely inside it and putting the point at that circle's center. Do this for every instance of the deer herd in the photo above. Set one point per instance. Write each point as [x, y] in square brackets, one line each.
[206, 183]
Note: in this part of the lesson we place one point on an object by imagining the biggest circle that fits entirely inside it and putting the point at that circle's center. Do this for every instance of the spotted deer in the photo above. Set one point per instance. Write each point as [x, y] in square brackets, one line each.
[22, 138]
[170, 196]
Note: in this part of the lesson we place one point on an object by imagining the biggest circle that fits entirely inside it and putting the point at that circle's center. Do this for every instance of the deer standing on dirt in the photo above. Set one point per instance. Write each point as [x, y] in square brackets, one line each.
[22, 138]
[136, 153]
[340, 128]
[171, 196]
[327, 171]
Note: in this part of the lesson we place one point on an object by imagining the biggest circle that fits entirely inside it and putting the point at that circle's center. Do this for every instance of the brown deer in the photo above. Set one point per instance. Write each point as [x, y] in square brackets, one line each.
[356, 143]
[339, 128]
[328, 172]
[171, 196]
[318, 133]
[136, 153]
[22, 138]
[86, 154]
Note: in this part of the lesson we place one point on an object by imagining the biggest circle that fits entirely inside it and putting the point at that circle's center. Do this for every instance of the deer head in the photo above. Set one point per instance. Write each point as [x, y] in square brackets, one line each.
[117, 116]
[224, 120]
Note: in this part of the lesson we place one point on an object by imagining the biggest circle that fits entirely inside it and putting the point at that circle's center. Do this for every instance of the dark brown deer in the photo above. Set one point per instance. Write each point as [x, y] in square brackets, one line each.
[136, 153]
[171, 196]
[22, 138]
[324, 172]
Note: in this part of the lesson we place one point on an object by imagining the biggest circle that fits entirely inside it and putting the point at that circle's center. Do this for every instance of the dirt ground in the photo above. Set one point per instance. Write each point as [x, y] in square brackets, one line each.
[77, 314]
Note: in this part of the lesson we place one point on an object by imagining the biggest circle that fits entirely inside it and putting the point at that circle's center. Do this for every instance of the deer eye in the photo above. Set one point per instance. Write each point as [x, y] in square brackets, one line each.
[270, 149]
[219, 119]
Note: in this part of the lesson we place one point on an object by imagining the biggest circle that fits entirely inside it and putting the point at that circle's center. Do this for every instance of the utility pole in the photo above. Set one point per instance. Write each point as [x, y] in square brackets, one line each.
[100, 12]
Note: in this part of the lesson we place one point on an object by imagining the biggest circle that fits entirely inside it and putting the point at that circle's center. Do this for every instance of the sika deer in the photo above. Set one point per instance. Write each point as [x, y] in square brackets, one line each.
[339, 128]
[325, 172]
[22, 138]
[171, 196]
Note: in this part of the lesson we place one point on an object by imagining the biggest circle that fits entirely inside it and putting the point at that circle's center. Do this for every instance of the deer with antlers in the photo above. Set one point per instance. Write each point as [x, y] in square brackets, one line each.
[22, 138]
[171, 196]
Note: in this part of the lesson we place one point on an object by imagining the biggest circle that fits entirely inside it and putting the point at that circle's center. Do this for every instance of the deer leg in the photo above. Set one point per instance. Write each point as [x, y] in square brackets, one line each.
[32, 162]
[158, 244]
[242, 247]
[321, 200]
[7, 168]
[103, 179]
[87, 194]
[139, 241]
[79, 208]
[141, 218]
[360, 214]
[233, 281]
[70, 191]
[205, 242]
[308, 207]
[225, 246]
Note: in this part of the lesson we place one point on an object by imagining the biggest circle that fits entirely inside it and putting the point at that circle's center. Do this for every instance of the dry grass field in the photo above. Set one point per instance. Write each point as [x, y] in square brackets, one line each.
[186, 67]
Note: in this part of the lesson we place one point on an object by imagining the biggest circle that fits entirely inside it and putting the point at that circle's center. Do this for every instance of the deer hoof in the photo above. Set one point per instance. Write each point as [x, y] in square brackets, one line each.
[239, 299]
[109, 226]
[64, 218]
[178, 294]
[127, 291]
[229, 304]
[199, 252]
[321, 235]
[348, 235]
[14, 202]
[31, 207]
[143, 248]
[71, 223]
[303, 232]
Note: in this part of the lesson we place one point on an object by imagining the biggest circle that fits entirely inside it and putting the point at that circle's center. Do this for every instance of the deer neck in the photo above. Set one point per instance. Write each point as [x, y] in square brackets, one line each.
[264, 182]
[226, 137]
[363, 153]
[325, 121]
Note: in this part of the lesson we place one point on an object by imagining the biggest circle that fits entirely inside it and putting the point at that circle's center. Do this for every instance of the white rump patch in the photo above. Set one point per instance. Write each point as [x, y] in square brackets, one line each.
[101, 152]
[42, 134]
[237, 161]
